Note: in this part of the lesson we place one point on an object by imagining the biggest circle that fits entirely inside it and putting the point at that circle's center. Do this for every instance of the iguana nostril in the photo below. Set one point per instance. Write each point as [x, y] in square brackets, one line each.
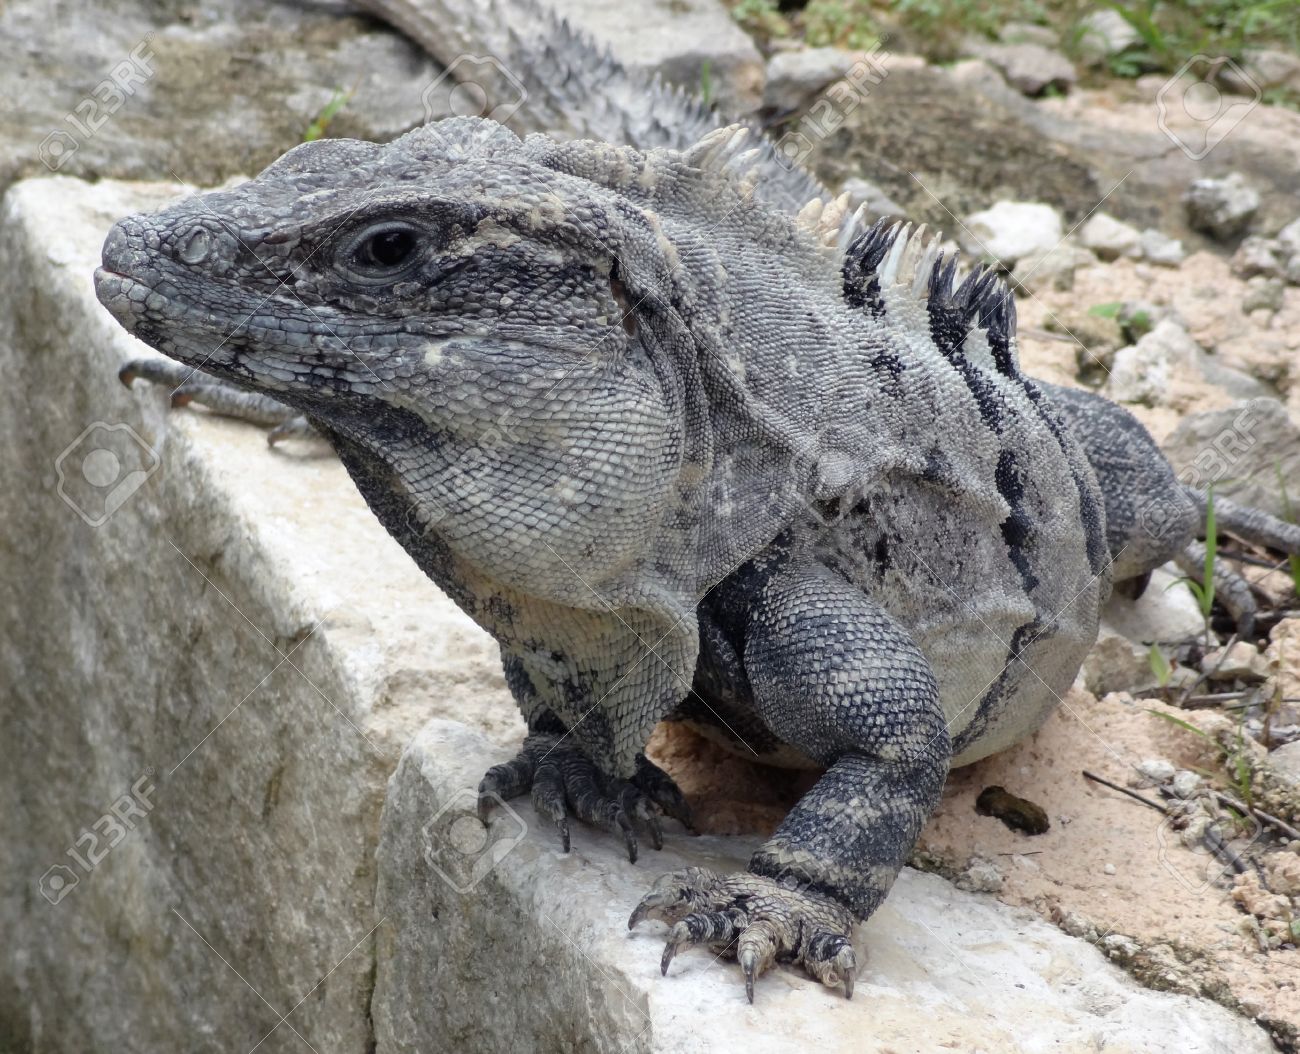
[196, 246]
[117, 246]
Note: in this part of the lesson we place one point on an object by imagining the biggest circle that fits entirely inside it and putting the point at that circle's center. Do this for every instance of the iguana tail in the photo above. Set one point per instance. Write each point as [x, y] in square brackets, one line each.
[542, 76]
[1250, 525]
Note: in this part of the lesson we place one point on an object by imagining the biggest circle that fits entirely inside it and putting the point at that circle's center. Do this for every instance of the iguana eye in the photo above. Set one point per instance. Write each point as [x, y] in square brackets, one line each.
[382, 252]
[388, 248]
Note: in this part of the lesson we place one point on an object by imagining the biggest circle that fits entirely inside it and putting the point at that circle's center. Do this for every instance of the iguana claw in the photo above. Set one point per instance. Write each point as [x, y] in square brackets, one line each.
[754, 919]
[564, 782]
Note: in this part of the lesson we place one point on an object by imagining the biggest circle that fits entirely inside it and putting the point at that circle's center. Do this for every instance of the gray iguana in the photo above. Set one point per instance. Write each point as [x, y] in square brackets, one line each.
[685, 454]
[725, 469]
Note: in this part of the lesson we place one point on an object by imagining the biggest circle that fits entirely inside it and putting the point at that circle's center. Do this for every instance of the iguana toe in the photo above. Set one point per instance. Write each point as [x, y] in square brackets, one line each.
[659, 787]
[155, 371]
[754, 919]
[189, 385]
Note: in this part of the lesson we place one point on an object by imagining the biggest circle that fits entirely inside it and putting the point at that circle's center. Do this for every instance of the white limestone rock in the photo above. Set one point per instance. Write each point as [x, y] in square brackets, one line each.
[1030, 68]
[675, 40]
[1259, 256]
[1159, 248]
[1053, 268]
[1110, 238]
[1156, 370]
[1263, 294]
[1103, 34]
[1165, 613]
[1117, 664]
[1011, 230]
[1263, 69]
[1289, 238]
[1241, 450]
[1221, 208]
[1237, 661]
[1285, 762]
[219, 636]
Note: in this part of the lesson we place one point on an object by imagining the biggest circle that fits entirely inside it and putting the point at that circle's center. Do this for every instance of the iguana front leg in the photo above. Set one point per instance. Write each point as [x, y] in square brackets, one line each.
[834, 675]
[567, 778]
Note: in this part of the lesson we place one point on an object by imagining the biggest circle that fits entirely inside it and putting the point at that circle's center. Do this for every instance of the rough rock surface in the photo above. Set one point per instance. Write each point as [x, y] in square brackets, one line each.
[988, 978]
[795, 77]
[1264, 68]
[1286, 761]
[1054, 267]
[1221, 207]
[1165, 614]
[1244, 450]
[1165, 366]
[1162, 613]
[217, 635]
[1159, 248]
[1029, 67]
[676, 39]
[230, 85]
[1109, 237]
[917, 131]
[1105, 33]
[1258, 256]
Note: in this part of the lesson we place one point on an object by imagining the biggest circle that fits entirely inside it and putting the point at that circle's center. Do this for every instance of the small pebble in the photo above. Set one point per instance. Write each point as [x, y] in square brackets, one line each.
[1186, 783]
[1109, 869]
[1017, 813]
[1158, 770]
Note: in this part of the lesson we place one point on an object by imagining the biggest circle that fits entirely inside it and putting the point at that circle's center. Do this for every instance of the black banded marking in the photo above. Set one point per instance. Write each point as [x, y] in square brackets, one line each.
[861, 262]
[1091, 512]
[982, 299]
[1017, 529]
[1025, 635]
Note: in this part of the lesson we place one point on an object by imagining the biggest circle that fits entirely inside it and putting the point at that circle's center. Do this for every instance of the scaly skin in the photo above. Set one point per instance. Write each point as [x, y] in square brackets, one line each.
[681, 454]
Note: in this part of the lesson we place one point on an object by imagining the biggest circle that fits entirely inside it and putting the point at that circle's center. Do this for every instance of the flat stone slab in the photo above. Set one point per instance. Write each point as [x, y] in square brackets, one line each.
[501, 937]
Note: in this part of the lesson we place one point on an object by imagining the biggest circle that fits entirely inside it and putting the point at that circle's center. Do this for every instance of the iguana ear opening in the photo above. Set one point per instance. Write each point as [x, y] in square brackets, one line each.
[618, 291]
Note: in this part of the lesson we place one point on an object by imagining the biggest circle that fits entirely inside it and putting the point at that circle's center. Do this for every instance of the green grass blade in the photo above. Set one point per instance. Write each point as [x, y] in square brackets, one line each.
[316, 130]
[1185, 725]
[1211, 547]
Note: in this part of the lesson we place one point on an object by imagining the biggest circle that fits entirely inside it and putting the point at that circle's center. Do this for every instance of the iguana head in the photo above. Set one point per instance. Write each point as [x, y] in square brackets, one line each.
[448, 300]
[573, 356]
[353, 270]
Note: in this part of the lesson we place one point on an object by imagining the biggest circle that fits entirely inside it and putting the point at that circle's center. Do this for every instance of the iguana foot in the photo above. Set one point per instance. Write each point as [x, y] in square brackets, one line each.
[755, 919]
[193, 386]
[564, 782]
